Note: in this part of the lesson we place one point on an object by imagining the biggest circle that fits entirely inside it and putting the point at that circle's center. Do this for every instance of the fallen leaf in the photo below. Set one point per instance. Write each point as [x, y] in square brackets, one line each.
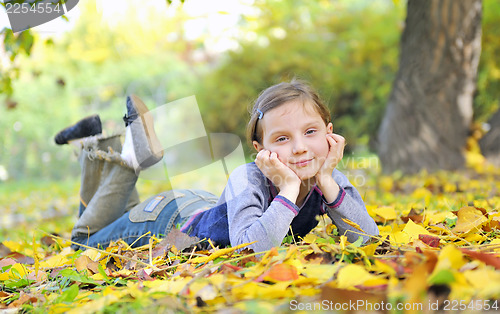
[430, 240]
[469, 219]
[352, 275]
[21, 258]
[353, 224]
[176, 238]
[487, 258]
[4, 251]
[414, 216]
[23, 299]
[386, 212]
[281, 272]
[48, 241]
[218, 253]
[414, 231]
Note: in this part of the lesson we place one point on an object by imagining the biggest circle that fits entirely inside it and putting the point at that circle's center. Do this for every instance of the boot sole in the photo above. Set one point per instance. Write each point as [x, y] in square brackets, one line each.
[148, 123]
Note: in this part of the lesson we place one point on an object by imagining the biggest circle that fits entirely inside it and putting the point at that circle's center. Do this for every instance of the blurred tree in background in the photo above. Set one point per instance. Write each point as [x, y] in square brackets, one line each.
[430, 111]
[348, 50]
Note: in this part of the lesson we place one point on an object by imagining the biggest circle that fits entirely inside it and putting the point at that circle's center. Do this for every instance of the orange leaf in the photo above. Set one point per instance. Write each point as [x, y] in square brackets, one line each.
[282, 272]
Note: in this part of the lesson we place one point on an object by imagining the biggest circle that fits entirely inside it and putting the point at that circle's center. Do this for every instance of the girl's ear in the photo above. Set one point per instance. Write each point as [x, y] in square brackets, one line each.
[329, 128]
[257, 146]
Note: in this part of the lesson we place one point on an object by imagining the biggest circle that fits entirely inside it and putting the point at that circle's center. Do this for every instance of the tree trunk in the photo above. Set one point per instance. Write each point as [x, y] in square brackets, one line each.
[429, 111]
[490, 142]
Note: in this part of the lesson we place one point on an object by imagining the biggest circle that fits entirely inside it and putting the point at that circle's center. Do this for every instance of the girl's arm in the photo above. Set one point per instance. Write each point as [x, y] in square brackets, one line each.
[349, 205]
[249, 216]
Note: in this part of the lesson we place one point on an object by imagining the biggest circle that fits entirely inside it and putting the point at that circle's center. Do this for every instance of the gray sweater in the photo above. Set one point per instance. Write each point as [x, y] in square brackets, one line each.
[256, 213]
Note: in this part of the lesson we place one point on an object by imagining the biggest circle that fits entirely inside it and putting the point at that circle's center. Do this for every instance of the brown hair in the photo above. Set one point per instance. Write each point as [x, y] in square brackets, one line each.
[279, 94]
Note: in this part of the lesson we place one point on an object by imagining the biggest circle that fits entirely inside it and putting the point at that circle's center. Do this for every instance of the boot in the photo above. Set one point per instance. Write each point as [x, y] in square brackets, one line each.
[86, 127]
[142, 147]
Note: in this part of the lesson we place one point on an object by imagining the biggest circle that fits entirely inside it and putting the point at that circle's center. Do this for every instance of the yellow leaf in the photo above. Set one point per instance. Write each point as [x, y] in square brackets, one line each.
[469, 219]
[416, 284]
[414, 230]
[475, 237]
[439, 217]
[485, 281]
[17, 271]
[383, 268]
[495, 243]
[370, 249]
[353, 224]
[218, 253]
[399, 237]
[386, 212]
[321, 273]
[97, 277]
[171, 286]
[353, 275]
[254, 290]
[449, 258]
[371, 209]
[310, 238]
[13, 246]
[377, 281]
[55, 261]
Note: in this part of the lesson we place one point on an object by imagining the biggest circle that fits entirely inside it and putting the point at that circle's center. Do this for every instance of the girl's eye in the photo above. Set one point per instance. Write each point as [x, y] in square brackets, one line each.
[310, 131]
[281, 139]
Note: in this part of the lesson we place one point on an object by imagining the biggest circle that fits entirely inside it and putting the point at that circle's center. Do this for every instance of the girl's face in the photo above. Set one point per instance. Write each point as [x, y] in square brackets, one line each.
[297, 133]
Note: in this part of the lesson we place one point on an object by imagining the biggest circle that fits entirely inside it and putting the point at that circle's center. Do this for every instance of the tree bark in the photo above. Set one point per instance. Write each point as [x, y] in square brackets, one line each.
[429, 111]
[490, 142]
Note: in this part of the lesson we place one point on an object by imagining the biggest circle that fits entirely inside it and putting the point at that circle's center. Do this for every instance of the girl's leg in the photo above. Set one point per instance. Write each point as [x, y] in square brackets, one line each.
[108, 186]
[157, 215]
[92, 169]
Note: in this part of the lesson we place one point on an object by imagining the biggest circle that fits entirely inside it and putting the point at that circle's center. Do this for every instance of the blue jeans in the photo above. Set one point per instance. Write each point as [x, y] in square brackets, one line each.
[110, 208]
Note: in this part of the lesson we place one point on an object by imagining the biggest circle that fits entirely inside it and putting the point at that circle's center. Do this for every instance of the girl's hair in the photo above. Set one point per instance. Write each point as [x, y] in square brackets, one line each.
[279, 94]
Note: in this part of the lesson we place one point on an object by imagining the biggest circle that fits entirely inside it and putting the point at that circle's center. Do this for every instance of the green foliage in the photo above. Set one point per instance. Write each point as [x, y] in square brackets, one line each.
[13, 45]
[487, 99]
[348, 51]
[62, 82]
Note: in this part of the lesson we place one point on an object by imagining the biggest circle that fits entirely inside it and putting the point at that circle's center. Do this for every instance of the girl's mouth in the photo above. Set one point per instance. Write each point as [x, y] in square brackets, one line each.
[302, 163]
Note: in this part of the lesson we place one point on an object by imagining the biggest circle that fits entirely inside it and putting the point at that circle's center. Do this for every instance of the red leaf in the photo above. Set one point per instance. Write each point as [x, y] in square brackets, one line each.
[431, 241]
[487, 258]
[142, 275]
[20, 258]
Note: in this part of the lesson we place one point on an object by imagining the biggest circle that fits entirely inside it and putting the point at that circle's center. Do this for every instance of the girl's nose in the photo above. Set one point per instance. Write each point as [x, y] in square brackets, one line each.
[299, 147]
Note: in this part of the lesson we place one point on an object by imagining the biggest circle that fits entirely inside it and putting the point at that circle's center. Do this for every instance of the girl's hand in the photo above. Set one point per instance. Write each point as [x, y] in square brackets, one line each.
[324, 178]
[284, 178]
[335, 154]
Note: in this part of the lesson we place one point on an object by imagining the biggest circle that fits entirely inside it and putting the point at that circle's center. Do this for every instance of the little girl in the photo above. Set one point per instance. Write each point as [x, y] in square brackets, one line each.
[292, 180]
